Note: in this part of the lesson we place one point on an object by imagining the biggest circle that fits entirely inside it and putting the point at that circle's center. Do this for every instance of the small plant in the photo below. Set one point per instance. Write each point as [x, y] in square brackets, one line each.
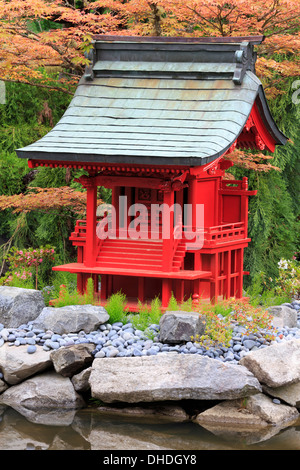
[89, 295]
[222, 309]
[68, 295]
[266, 292]
[48, 294]
[22, 279]
[140, 320]
[147, 315]
[172, 305]
[155, 311]
[115, 308]
[24, 265]
[218, 330]
[288, 282]
[187, 305]
[252, 318]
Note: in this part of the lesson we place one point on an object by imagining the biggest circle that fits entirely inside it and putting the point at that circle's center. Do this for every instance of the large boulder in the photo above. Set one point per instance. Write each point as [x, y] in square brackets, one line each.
[289, 394]
[45, 393]
[283, 316]
[276, 365]
[19, 306]
[70, 360]
[72, 318]
[180, 327]
[17, 365]
[255, 411]
[169, 377]
[272, 413]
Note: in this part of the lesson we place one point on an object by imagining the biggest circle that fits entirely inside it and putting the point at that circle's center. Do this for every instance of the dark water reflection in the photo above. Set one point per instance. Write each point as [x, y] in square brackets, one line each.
[89, 430]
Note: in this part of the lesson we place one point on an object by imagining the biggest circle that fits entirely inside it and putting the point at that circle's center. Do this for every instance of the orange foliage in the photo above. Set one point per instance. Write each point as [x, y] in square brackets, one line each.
[46, 199]
[257, 161]
[23, 49]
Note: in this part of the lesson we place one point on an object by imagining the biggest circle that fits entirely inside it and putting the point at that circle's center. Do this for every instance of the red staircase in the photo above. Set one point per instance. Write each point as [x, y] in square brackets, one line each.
[179, 255]
[140, 254]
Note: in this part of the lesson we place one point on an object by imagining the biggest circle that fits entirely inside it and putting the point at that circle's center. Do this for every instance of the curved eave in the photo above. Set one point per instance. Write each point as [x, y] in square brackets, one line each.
[269, 123]
[118, 159]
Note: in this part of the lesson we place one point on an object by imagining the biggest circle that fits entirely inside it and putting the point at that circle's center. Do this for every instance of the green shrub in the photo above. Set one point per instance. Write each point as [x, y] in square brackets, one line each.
[69, 295]
[147, 315]
[173, 304]
[140, 320]
[115, 308]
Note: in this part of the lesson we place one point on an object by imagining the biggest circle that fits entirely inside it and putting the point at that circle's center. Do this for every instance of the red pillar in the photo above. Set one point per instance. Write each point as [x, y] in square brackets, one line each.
[168, 222]
[179, 290]
[80, 286]
[240, 267]
[214, 281]
[228, 274]
[91, 219]
[166, 292]
[103, 291]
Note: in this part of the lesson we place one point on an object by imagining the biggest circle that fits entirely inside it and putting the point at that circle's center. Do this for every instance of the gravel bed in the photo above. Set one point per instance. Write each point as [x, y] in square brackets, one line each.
[118, 340]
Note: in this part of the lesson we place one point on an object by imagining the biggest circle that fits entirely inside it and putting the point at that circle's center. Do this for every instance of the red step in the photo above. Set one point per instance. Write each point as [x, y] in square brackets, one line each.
[142, 254]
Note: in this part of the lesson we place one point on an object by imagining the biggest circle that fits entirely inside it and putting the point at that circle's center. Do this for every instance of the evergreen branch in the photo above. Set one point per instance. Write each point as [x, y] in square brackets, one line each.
[40, 85]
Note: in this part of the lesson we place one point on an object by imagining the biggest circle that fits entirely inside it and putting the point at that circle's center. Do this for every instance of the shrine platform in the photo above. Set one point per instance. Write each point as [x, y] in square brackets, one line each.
[183, 274]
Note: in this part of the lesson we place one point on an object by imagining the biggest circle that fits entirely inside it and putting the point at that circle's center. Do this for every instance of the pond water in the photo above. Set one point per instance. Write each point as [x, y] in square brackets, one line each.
[88, 430]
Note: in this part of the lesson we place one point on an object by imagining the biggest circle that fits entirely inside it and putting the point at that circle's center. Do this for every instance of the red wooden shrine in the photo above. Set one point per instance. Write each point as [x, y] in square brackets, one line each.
[152, 119]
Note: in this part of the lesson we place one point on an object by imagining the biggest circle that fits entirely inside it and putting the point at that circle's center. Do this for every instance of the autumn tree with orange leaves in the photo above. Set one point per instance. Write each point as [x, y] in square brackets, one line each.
[39, 35]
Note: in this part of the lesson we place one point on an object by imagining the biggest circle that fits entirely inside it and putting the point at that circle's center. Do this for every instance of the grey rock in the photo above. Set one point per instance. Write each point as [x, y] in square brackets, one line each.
[112, 351]
[4, 334]
[169, 376]
[273, 413]
[71, 319]
[18, 305]
[70, 360]
[229, 414]
[249, 343]
[47, 391]
[80, 381]
[17, 365]
[290, 393]
[180, 326]
[276, 365]
[256, 411]
[283, 316]
[3, 386]
[100, 354]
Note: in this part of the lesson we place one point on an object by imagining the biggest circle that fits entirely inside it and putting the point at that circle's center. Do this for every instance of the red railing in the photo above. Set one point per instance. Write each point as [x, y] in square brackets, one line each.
[235, 184]
[224, 233]
[79, 233]
[207, 237]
